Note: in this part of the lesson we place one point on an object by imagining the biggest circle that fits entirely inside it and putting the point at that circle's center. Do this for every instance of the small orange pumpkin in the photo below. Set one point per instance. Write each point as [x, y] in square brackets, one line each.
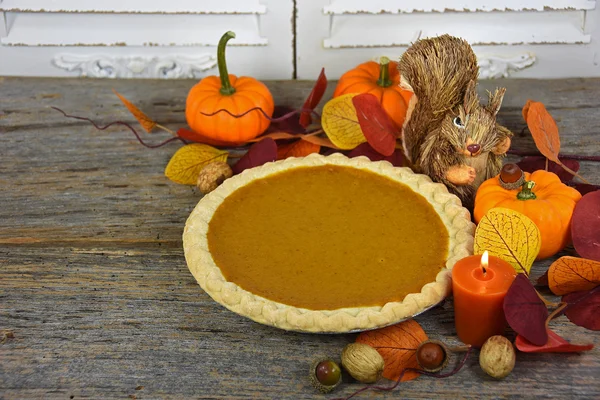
[381, 79]
[236, 95]
[541, 196]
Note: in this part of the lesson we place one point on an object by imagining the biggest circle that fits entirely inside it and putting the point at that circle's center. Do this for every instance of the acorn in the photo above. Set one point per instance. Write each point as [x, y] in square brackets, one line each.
[511, 177]
[432, 355]
[363, 362]
[325, 375]
[497, 357]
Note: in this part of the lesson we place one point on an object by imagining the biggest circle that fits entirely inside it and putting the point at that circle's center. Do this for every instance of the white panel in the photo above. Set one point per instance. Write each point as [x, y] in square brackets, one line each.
[59, 29]
[407, 6]
[388, 30]
[135, 6]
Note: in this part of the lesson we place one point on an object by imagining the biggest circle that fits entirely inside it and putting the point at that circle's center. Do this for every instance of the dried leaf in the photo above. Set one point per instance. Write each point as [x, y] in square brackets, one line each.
[509, 235]
[525, 311]
[585, 226]
[147, 123]
[185, 165]
[258, 154]
[555, 344]
[313, 99]
[534, 163]
[583, 308]
[299, 148]
[290, 124]
[375, 123]
[572, 274]
[397, 344]
[544, 131]
[340, 122]
[396, 159]
[526, 109]
[308, 137]
[192, 136]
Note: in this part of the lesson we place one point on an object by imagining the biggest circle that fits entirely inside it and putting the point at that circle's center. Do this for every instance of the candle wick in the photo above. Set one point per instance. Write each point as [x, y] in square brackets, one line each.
[484, 271]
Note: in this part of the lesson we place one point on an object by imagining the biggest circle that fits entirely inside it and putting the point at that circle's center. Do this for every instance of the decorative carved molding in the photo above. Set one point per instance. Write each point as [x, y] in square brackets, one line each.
[492, 67]
[166, 67]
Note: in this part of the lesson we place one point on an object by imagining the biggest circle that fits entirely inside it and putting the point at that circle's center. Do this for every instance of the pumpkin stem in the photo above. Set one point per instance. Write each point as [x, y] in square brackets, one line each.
[384, 75]
[226, 88]
[526, 193]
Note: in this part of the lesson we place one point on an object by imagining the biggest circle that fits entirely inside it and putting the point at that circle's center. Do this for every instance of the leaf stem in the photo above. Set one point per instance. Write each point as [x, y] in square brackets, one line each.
[546, 302]
[164, 128]
[226, 88]
[569, 170]
[555, 313]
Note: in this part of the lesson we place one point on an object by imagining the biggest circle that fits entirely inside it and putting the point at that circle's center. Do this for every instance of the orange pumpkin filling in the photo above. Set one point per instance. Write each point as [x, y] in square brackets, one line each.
[328, 237]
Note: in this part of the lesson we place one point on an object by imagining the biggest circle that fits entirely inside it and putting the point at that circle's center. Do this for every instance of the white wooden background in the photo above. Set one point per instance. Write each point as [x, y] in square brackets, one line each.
[283, 39]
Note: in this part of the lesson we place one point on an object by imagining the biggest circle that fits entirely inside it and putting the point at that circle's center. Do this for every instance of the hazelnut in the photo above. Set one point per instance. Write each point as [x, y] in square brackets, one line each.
[497, 357]
[212, 175]
[363, 362]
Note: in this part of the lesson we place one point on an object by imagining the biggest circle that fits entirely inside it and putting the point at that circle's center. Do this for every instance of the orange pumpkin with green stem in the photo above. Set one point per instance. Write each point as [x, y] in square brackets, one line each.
[541, 196]
[382, 80]
[235, 94]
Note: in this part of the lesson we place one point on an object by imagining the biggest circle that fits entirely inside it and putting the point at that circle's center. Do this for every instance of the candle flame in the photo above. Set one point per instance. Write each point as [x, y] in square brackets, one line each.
[484, 260]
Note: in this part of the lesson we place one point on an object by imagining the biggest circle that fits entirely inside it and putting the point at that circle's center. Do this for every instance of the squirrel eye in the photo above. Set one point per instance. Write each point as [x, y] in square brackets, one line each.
[458, 122]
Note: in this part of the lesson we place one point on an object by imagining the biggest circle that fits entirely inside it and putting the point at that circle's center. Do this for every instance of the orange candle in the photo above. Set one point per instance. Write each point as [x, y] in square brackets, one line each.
[479, 287]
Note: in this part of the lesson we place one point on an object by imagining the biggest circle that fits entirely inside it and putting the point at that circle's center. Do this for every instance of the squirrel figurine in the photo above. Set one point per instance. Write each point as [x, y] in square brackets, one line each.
[447, 133]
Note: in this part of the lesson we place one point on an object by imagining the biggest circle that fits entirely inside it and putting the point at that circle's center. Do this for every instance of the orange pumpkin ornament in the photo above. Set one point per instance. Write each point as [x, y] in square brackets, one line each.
[236, 95]
[382, 80]
[541, 196]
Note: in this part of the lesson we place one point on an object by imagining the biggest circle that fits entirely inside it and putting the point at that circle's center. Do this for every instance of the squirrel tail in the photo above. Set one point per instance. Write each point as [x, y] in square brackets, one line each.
[439, 70]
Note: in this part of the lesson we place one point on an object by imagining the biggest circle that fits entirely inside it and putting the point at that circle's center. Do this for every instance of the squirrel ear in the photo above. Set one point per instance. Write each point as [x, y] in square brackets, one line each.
[471, 99]
[495, 100]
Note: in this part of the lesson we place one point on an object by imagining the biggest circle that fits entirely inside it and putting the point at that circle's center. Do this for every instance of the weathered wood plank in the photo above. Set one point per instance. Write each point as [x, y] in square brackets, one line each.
[97, 323]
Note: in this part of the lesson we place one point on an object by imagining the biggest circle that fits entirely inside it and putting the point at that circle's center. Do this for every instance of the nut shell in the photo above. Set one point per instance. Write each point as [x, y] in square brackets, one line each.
[497, 357]
[362, 362]
[212, 175]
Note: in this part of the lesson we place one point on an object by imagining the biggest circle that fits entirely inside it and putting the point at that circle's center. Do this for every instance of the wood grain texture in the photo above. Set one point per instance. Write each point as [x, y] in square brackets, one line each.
[94, 285]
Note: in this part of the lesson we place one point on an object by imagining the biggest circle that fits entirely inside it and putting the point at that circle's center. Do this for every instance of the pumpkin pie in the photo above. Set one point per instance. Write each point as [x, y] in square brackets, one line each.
[327, 244]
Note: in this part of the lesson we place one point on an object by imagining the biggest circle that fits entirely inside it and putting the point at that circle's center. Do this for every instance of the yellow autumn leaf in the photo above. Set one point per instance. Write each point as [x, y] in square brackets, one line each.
[340, 122]
[509, 235]
[185, 165]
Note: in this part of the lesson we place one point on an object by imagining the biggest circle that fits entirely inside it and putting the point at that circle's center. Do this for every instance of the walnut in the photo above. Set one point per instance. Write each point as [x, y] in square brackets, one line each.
[212, 175]
[497, 357]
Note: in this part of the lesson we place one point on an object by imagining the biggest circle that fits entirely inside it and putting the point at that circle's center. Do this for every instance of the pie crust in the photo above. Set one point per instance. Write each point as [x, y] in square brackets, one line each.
[455, 218]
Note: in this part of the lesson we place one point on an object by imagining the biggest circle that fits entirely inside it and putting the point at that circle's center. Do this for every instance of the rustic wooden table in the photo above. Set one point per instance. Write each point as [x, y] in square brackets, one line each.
[96, 292]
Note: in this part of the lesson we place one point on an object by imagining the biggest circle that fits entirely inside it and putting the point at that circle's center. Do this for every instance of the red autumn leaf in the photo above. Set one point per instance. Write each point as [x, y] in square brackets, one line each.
[313, 99]
[583, 308]
[534, 163]
[525, 312]
[584, 188]
[258, 154]
[573, 274]
[585, 226]
[555, 344]
[299, 148]
[365, 149]
[375, 123]
[544, 130]
[397, 344]
[543, 280]
[192, 136]
[291, 124]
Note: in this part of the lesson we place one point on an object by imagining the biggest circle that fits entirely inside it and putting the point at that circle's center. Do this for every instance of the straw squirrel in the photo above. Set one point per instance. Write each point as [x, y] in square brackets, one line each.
[448, 134]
